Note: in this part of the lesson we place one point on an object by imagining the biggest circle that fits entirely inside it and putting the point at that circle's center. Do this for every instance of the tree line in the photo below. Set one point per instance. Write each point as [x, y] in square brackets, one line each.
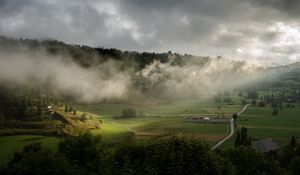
[88, 56]
[87, 154]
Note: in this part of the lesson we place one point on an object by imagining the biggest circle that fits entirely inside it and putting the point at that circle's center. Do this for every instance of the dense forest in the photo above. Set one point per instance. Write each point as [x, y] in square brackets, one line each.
[88, 56]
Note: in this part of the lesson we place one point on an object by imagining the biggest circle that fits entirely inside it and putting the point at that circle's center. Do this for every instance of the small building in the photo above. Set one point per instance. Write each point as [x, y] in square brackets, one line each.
[206, 118]
[266, 145]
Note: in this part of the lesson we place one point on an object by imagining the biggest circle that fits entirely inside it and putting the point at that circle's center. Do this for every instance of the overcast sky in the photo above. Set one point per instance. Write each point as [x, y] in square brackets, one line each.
[256, 30]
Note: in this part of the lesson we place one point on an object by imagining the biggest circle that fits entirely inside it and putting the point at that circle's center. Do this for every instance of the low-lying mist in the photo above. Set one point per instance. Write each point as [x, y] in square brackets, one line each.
[64, 77]
[195, 78]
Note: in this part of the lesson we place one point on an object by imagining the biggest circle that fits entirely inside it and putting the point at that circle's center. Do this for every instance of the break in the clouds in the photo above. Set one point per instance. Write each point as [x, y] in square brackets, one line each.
[257, 30]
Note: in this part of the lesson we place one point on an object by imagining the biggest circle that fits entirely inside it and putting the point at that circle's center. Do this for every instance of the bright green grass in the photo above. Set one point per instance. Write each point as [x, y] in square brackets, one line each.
[10, 144]
[160, 119]
[112, 132]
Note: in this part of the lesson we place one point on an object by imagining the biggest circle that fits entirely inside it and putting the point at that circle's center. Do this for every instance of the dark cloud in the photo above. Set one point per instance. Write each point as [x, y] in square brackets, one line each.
[232, 28]
[290, 7]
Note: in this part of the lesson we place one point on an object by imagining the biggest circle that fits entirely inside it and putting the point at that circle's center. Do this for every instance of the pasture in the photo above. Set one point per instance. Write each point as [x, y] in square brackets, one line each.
[262, 124]
[161, 119]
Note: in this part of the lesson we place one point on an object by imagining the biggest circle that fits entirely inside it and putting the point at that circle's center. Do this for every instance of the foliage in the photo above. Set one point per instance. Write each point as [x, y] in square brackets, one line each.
[294, 166]
[235, 116]
[83, 117]
[23, 103]
[130, 112]
[253, 102]
[249, 161]
[171, 156]
[34, 159]
[84, 150]
[275, 111]
[252, 95]
[86, 154]
[261, 104]
[242, 138]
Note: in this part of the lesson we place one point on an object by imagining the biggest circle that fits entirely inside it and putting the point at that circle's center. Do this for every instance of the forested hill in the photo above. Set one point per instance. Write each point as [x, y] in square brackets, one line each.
[160, 75]
[87, 56]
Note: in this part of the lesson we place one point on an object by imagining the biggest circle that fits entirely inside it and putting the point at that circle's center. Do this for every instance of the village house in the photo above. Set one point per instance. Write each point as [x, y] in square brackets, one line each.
[266, 145]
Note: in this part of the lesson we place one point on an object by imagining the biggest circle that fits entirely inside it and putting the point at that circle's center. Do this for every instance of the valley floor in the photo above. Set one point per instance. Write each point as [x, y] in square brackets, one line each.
[159, 120]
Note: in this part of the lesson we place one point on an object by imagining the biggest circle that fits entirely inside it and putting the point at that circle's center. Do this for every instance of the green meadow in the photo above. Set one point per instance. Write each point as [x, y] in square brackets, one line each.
[262, 124]
[161, 119]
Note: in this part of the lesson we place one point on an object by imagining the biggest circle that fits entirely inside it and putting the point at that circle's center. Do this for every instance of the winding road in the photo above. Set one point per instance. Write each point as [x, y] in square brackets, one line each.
[231, 129]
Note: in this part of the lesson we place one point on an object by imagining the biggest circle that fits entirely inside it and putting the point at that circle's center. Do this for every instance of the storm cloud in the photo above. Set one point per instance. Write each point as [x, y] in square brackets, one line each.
[255, 30]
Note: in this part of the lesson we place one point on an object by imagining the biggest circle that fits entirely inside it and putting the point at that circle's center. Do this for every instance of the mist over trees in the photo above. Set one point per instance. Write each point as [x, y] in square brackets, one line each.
[87, 56]
[70, 71]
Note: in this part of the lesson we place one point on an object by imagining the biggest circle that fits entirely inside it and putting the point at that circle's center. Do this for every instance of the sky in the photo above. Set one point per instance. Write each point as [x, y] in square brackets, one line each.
[253, 30]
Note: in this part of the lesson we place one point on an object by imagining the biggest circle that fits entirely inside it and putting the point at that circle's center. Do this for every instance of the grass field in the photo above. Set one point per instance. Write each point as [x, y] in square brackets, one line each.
[10, 144]
[182, 107]
[259, 121]
[262, 124]
[154, 120]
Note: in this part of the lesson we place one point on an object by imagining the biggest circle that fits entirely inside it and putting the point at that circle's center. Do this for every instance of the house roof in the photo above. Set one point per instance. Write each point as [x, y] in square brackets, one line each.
[265, 145]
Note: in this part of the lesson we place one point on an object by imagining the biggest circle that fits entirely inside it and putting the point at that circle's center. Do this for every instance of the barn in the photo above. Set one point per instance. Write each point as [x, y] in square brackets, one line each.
[266, 145]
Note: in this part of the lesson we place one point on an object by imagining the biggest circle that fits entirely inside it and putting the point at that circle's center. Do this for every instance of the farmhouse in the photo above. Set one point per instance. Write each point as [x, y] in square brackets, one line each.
[211, 118]
[206, 118]
[266, 145]
[195, 117]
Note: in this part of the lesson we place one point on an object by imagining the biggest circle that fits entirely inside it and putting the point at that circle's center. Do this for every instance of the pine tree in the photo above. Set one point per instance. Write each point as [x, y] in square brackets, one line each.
[242, 138]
